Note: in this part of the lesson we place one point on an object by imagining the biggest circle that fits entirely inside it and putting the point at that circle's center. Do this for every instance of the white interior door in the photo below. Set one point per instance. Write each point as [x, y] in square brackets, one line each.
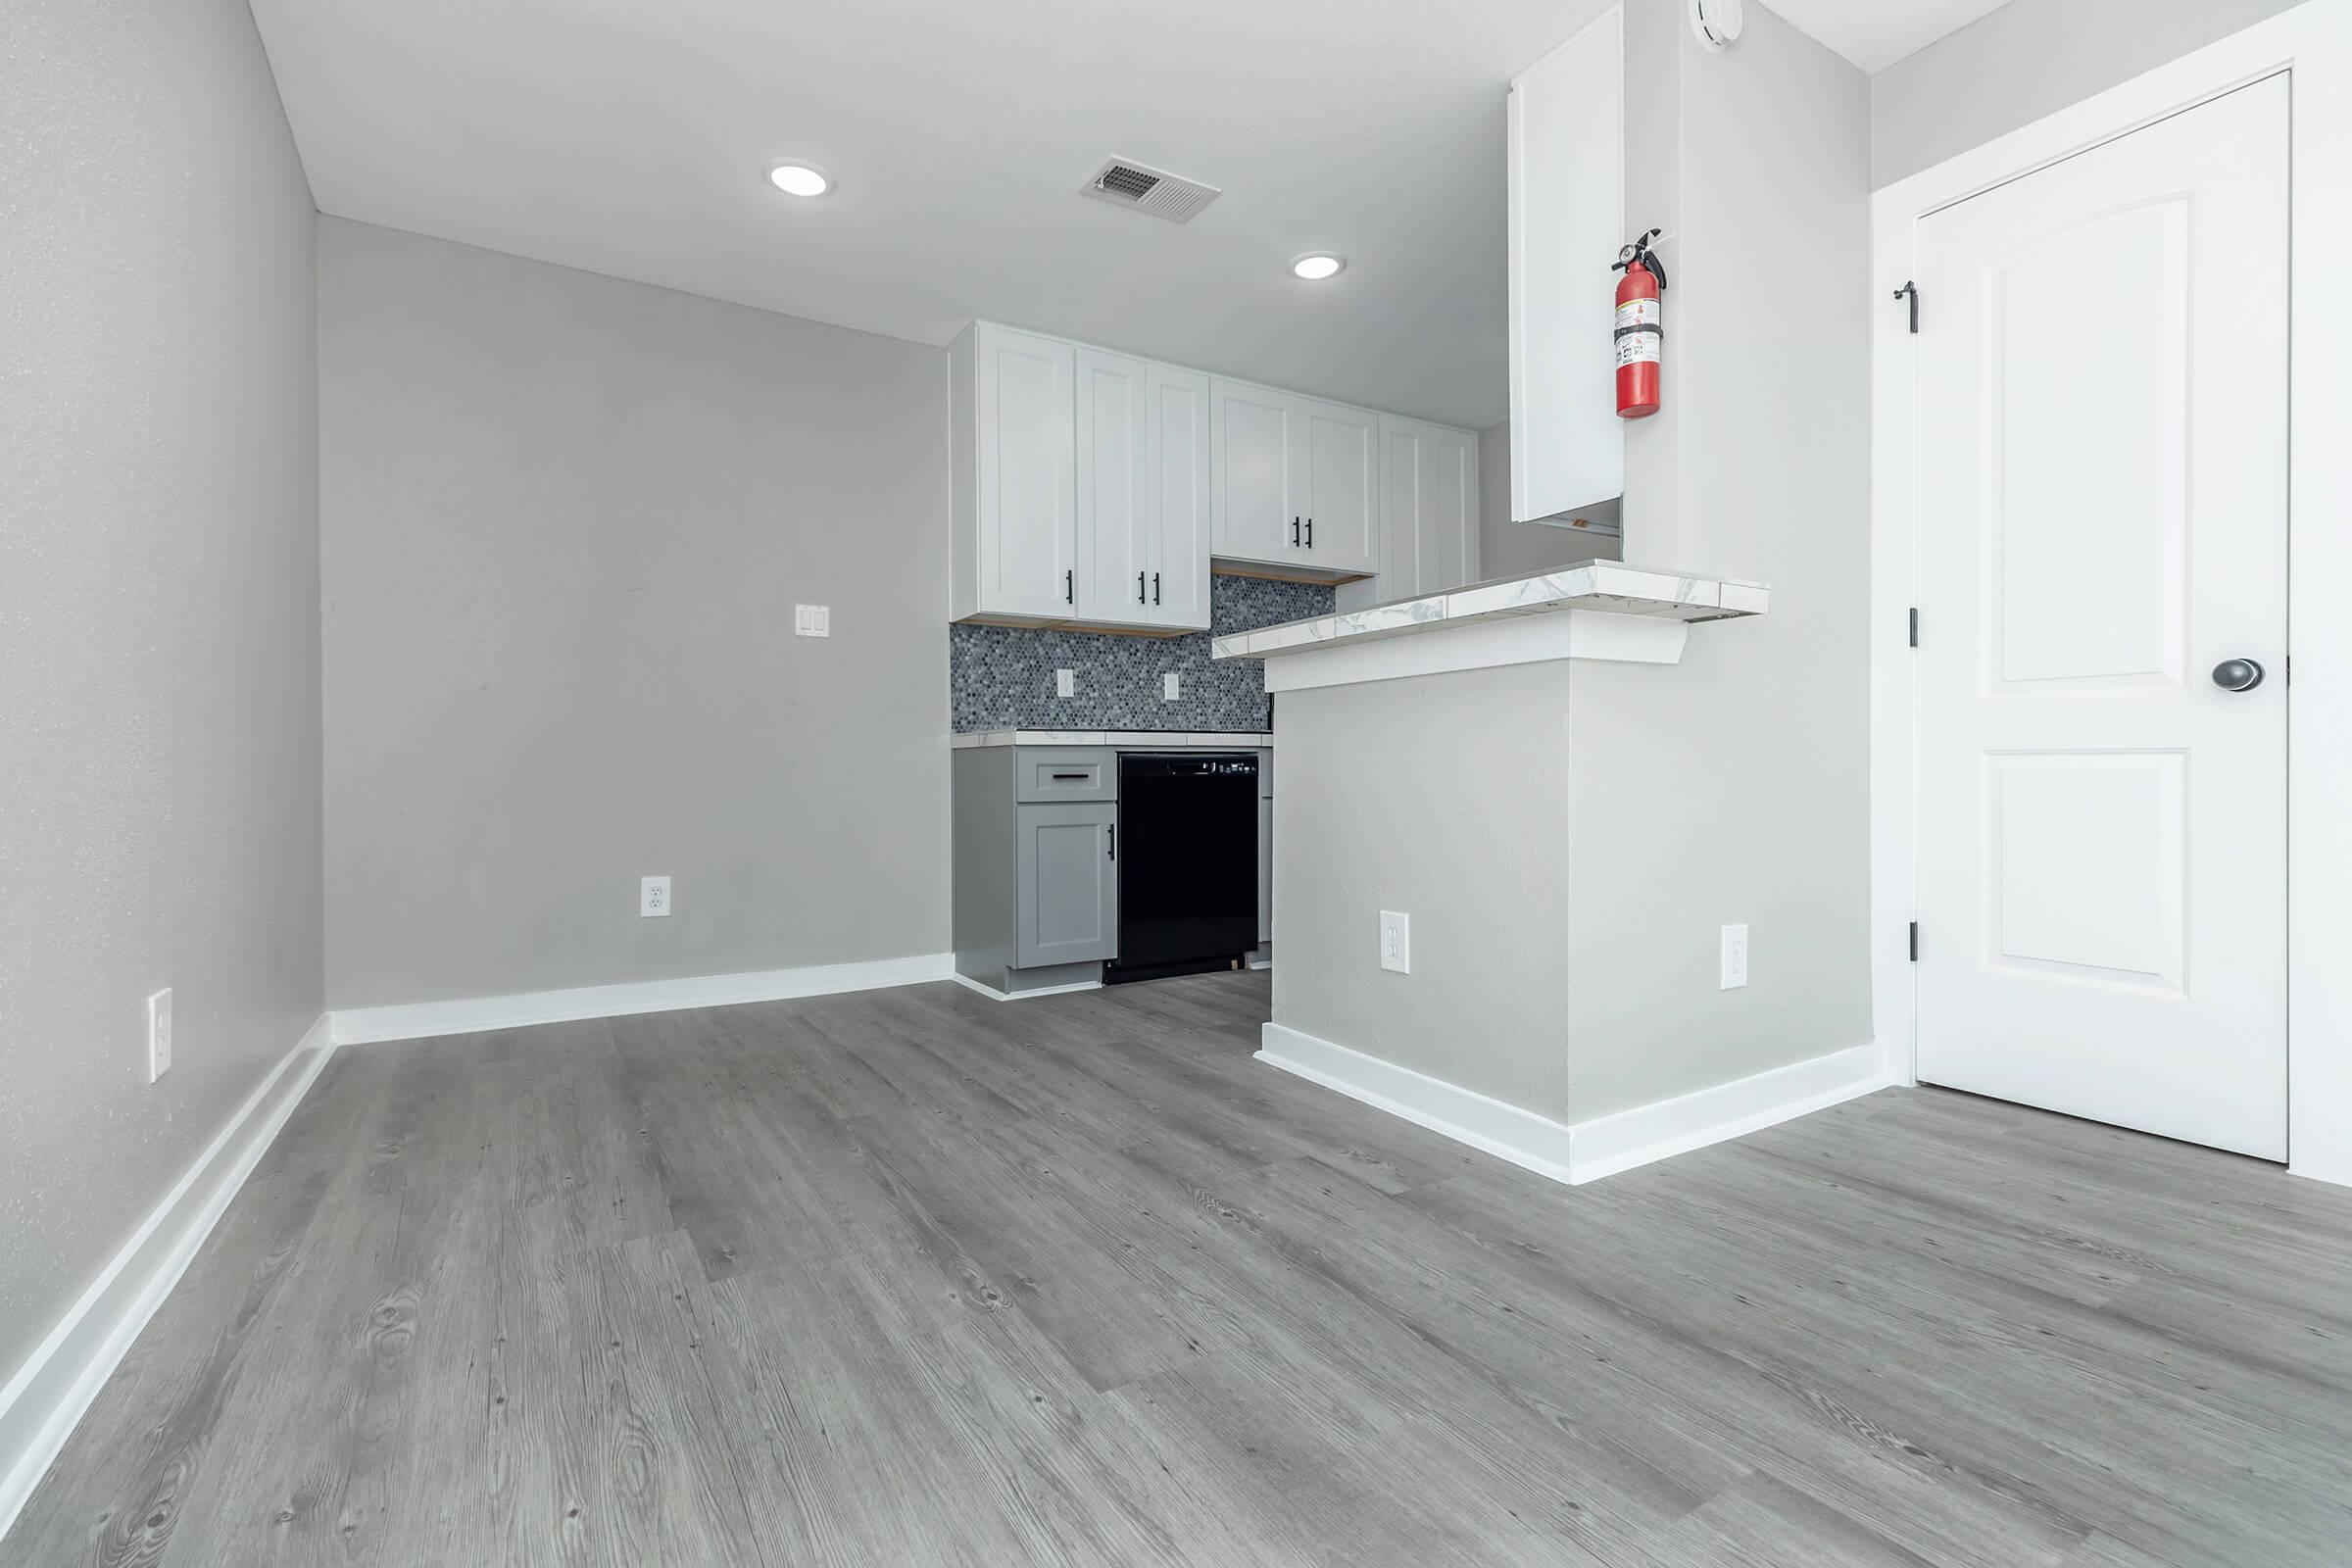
[2102, 386]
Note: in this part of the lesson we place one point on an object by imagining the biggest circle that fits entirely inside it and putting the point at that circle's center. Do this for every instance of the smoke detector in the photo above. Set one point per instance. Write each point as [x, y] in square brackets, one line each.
[1124, 182]
[1718, 23]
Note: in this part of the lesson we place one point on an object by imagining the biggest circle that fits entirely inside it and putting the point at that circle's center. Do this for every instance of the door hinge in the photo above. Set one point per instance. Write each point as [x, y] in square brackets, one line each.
[1912, 291]
[1915, 941]
[1915, 626]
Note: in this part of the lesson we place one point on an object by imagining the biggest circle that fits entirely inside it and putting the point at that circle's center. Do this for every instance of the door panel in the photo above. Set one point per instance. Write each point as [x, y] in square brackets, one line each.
[1114, 486]
[1254, 467]
[2101, 384]
[1068, 885]
[1181, 542]
[1026, 473]
[1340, 487]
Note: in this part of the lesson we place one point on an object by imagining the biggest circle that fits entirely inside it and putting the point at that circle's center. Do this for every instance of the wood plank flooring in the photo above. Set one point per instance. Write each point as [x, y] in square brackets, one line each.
[913, 1277]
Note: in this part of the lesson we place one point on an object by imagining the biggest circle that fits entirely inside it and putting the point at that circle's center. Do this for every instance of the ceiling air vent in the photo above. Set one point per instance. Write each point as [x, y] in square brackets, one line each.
[1149, 190]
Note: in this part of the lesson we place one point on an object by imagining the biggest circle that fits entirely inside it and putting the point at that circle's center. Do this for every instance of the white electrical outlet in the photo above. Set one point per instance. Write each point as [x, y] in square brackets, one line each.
[1065, 683]
[159, 1034]
[1170, 686]
[1396, 942]
[812, 620]
[1735, 958]
[653, 896]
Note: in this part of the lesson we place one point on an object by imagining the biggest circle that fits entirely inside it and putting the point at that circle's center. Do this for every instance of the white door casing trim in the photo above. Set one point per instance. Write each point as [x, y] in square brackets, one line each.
[2313, 42]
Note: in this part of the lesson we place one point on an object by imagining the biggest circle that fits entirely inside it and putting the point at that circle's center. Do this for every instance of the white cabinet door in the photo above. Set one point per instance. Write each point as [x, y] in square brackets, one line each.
[1117, 492]
[1429, 509]
[1256, 472]
[1179, 415]
[1566, 149]
[1026, 473]
[1340, 486]
[1445, 500]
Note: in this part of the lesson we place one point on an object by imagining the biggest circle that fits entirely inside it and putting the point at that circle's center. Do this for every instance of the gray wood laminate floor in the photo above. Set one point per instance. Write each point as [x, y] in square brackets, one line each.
[913, 1277]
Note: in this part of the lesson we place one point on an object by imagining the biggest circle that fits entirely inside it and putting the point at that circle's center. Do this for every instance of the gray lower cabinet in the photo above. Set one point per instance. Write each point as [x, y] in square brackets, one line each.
[1065, 865]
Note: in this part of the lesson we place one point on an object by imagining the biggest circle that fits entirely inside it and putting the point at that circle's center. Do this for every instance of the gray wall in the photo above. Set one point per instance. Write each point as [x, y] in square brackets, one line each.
[565, 522]
[1478, 775]
[1735, 785]
[1508, 549]
[159, 614]
[2029, 58]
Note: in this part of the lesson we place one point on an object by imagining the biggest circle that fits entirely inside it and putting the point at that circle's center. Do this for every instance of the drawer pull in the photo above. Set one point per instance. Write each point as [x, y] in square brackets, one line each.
[1079, 778]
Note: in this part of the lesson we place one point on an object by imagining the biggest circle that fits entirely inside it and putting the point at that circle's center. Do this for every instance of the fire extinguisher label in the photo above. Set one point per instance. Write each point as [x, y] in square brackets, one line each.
[1640, 333]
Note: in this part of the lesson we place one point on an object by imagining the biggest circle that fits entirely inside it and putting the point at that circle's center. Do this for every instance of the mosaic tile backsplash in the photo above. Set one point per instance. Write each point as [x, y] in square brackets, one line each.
[1001, 677]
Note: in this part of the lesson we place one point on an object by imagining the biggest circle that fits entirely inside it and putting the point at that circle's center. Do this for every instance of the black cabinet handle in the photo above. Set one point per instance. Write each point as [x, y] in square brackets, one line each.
[1310, 533]
[1069, 587]
[1155, 587]
[1294, 531]
[1114, 840]
[1081, 778]
[1139, 587]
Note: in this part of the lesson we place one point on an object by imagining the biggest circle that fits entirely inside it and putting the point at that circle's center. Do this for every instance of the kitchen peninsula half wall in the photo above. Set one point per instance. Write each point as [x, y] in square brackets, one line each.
[1475, 763]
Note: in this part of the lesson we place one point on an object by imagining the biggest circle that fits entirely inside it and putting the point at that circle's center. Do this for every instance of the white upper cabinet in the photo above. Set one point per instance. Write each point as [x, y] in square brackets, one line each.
[1342, 488]
[1117, 489]
[1014, 401]
[1295, 481]
[1257, 470]
[1093, 488]
[1429, 504]
[1179, 547]
[1566, 140]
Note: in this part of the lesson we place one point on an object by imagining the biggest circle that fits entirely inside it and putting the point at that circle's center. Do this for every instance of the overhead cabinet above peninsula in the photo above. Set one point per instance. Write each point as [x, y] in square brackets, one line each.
[1095, 489]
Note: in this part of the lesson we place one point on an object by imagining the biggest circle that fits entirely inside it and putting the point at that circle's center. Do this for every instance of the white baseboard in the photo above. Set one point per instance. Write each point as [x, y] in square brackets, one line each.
[1586, 1150]
[1521, 1137]
[1606, 1145]
[419, 1020]
[47, 1397]
[986, 990]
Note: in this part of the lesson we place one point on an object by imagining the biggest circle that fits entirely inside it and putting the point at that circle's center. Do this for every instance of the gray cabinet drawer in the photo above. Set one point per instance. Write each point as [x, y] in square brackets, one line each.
[1067, 871]
[1040, 774]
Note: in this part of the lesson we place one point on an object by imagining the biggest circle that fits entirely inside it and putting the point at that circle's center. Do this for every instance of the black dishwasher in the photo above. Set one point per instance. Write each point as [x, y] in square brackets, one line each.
[1188, 863]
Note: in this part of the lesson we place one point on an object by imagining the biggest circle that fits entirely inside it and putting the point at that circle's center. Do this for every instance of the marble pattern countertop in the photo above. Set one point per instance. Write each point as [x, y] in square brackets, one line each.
[1134, 740]
[1610, 587]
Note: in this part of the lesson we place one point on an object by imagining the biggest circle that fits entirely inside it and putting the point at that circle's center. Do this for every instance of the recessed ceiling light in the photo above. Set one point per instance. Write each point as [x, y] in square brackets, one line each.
[1316, 265]
[800, 179]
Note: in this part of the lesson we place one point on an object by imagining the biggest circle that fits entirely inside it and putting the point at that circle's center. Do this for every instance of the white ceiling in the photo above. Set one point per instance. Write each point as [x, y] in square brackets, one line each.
[1875, 33]
[632, 137]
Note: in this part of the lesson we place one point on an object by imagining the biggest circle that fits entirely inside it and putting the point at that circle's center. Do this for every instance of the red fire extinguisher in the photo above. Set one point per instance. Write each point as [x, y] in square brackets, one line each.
[1641, 328]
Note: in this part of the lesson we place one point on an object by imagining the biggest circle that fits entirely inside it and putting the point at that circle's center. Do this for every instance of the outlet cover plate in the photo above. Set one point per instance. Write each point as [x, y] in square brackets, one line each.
[1065, 683]
[1171, 686]
[1735, 958]
[1396, 942]
[653, 896]
[159, 1034]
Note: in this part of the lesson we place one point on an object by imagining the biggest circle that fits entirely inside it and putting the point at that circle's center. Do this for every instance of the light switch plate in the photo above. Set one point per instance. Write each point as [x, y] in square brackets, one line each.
[1396, 942]
[1065, 683]
[1735, 958]
[653, 896]
[812, 620]
[1170, 687]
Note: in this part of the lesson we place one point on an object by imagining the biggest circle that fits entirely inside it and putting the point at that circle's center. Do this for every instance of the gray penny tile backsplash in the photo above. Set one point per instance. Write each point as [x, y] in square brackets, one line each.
[1001, 677]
